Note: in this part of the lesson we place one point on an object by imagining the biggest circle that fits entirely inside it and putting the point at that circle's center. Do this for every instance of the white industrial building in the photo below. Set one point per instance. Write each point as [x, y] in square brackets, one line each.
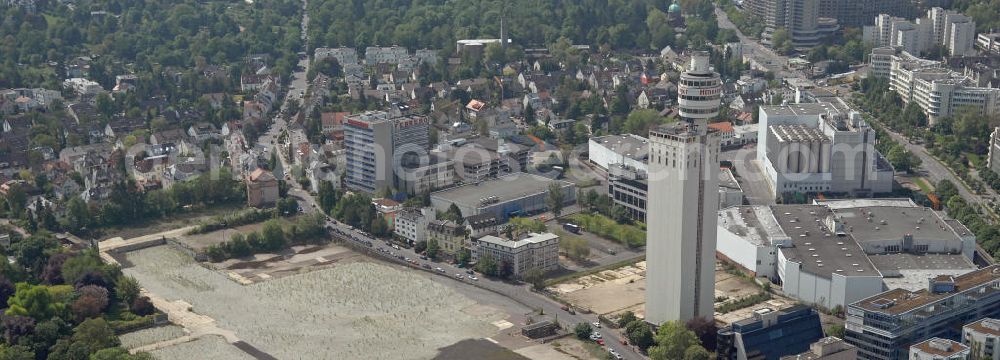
[820, 147]
[629, 150]
[835, 252]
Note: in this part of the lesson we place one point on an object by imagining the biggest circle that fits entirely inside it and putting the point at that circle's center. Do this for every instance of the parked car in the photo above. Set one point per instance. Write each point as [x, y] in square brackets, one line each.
[596, 324]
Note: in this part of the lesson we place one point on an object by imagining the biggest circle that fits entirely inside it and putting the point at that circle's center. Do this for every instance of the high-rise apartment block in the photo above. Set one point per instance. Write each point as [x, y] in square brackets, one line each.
[800, 17]
[377, 143]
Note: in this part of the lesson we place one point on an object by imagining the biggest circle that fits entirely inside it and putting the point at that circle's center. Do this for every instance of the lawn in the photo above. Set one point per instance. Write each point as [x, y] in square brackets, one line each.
[924, 186]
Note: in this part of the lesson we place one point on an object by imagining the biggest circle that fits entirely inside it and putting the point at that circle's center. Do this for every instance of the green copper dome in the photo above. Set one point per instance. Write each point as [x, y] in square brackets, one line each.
[674, 8]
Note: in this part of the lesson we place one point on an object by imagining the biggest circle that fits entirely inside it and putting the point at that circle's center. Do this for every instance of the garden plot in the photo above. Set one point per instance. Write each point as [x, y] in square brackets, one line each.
[149, 336]
[349, 311]
[207, 347]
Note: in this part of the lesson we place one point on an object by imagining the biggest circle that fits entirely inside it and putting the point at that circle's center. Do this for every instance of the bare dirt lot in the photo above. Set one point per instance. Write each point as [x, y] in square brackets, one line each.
[614, 291]
[348, 311]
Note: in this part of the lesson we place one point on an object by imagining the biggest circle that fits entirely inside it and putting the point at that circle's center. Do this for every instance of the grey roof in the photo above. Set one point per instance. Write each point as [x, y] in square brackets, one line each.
[806, 109]
[815, 247]
[890, 222]
[743, 221]
[633, 146]
[508, 187]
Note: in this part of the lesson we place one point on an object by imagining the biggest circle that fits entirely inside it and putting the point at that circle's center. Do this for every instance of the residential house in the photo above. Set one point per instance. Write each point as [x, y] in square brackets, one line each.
[412, 224]
[333, 125]
[449, 235]
[203, 131]
[481, 225]
[262, 188]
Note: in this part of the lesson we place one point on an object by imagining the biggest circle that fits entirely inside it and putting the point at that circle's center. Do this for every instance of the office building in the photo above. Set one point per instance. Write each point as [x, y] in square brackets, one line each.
[377, 143]
[536, 251]
[988, 43]
[800, 17]
[939, 91]
[982, 337]
[939, 349]
[770, 334]
[484, 158]
[518, 194]
[699, 91]
[828, 348]
[425, 174]
[610, 150]
[628, 188]
[833, 253]
[884, 326]
[948, 28]
[820, 147]
[681, 216]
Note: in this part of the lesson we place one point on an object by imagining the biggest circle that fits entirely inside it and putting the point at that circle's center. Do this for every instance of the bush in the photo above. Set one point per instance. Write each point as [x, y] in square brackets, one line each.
[582, 331]
[142, 306]
[124, 326]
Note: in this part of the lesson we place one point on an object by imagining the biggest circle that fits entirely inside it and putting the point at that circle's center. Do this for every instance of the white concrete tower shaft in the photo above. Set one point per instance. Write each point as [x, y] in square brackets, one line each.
[683, 200]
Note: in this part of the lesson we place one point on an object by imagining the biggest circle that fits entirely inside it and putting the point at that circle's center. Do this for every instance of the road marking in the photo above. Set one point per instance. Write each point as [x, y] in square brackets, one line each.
[492, 341]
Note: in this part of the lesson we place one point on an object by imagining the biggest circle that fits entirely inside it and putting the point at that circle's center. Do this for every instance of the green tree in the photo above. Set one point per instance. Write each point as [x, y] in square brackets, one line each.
[556, 199]
[16, 352]
[626, 318]
[781, 41]
[33, 252]
[273, 236]
[463, 257]
[35, 301]
[946, 190]
[327, 196]
[126, 289]
[453, 213]
[487, 265]
[117, 353]
[582, 331]
[536, 278]
[640, 334]
[96, 334]
[672, 339]
[696, 352]
[433, 249]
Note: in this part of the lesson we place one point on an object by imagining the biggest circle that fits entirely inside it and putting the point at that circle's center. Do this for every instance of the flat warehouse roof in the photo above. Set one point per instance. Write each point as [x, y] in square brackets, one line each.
[506, 188]
[820, 252]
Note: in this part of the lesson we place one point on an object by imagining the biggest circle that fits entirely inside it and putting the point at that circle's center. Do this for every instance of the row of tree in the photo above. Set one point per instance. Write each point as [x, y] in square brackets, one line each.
[273, 237]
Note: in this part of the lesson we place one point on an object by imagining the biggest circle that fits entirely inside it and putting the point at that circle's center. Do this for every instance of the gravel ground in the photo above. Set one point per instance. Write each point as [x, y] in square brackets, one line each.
[152, 335]
[350, 311]
[207, 347]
